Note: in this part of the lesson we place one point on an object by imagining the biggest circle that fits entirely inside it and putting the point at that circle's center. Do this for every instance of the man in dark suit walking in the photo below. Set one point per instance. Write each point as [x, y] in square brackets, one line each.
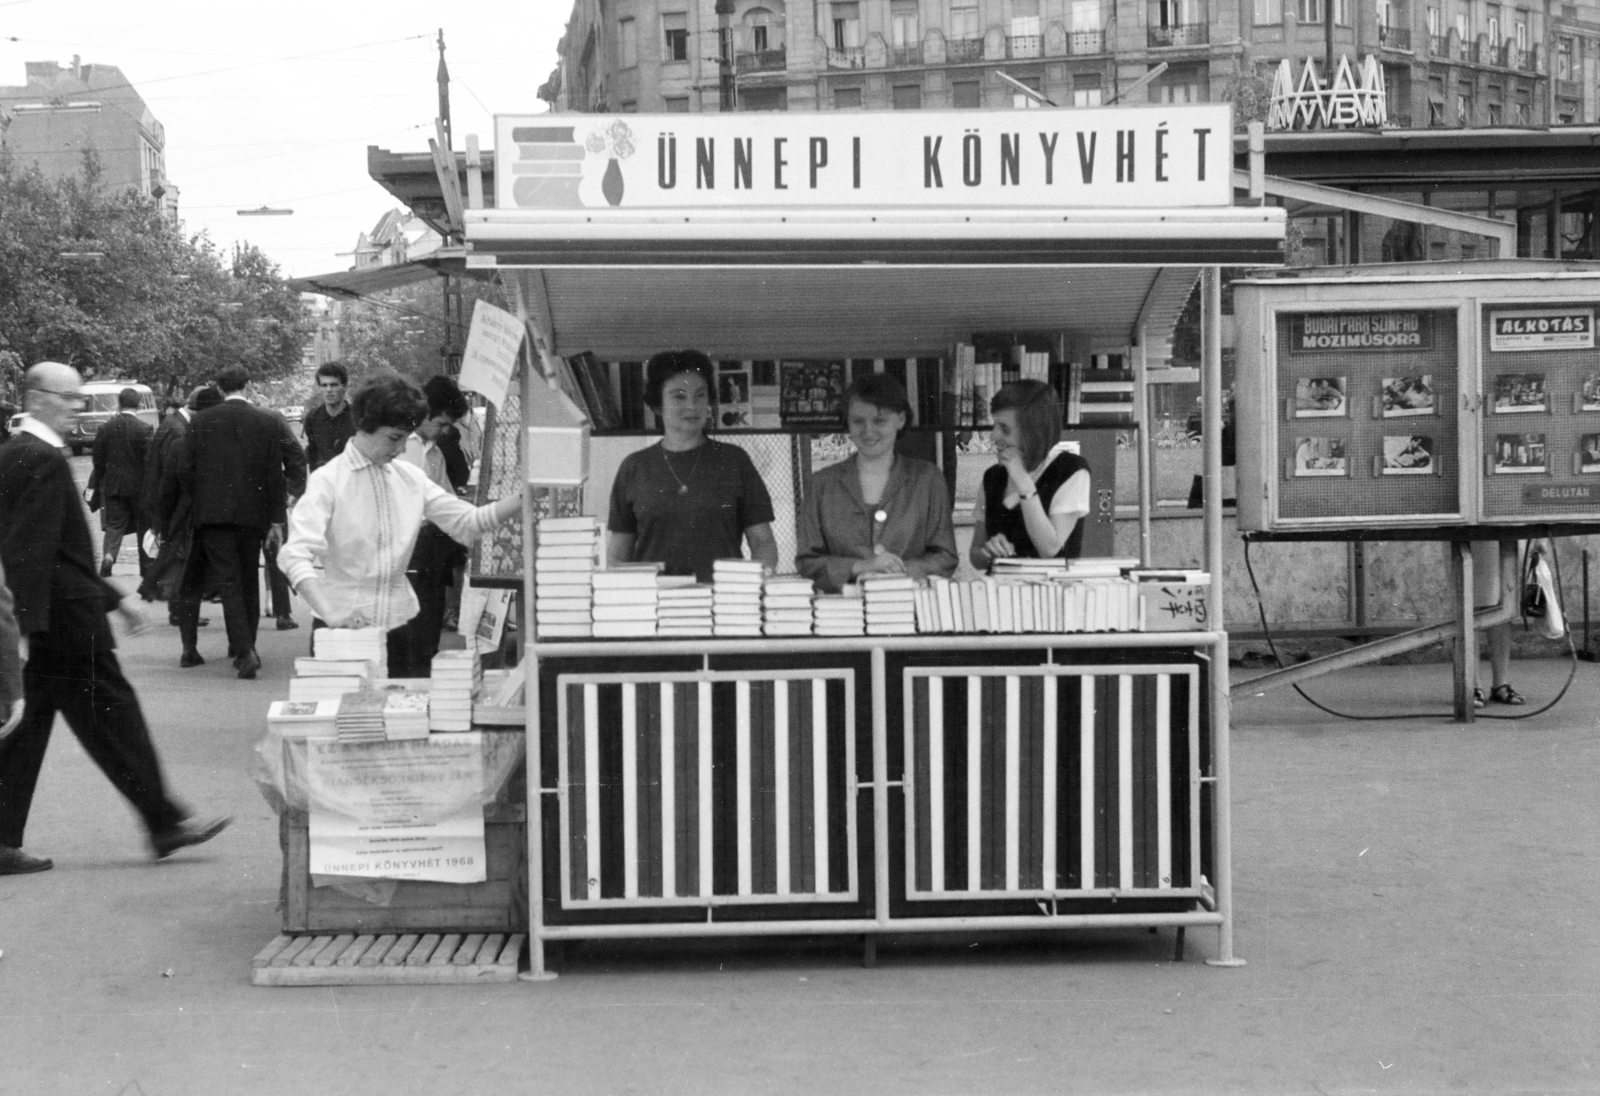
[117, 479]
[232, 472]
[61, 607]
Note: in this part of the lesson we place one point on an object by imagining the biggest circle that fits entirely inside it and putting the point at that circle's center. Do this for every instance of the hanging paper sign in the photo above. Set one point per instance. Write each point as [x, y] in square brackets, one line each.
[1129, 158]
[490, 358]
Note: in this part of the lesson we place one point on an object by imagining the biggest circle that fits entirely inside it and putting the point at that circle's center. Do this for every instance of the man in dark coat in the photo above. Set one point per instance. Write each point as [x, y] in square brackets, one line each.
[117, 479]
[61, 606]
[331, 424]
[232, 473]
[170, 519]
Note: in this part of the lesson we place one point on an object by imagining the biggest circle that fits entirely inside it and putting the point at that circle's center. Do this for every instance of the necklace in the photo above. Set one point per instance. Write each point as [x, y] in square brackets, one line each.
[683, 485]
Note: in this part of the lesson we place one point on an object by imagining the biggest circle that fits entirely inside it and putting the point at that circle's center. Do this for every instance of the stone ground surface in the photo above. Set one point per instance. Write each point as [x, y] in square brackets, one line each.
[1416, 901]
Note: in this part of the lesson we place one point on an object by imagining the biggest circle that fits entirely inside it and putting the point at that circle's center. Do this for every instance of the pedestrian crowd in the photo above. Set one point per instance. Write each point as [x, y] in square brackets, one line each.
[364, 521]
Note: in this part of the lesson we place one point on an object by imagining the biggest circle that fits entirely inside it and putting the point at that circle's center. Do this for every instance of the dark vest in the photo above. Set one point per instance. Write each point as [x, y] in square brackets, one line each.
[998, 519]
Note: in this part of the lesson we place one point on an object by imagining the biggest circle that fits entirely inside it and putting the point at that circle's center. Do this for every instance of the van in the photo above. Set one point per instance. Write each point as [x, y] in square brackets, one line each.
[100, 403]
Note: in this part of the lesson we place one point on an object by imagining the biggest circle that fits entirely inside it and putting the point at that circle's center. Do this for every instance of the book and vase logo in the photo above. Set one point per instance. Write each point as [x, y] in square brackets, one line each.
[555, 171]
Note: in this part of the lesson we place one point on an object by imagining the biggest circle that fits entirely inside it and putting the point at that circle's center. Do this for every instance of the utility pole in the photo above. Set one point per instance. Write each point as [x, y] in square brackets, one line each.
[725, 55]
[1327, 41]
[444, 95]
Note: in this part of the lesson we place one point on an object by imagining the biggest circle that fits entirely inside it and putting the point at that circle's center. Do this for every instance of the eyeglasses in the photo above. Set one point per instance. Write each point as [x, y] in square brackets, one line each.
[74, 399]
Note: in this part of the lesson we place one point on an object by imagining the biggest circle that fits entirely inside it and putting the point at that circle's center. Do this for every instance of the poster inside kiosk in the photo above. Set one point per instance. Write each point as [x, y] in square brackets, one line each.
[1126, 158]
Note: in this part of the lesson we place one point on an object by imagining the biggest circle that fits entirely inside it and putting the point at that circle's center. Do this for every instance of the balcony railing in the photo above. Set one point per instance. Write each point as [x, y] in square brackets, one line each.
[1526, 60]
[1438, 45]
[851, 57]
[901, 56]
[1467, 51]
[1399, 121]
[1020, 46]
[1394, 37]
[1569, 89]
[957, 50]
[765, 60]
[1087, 41]
[1180, 34]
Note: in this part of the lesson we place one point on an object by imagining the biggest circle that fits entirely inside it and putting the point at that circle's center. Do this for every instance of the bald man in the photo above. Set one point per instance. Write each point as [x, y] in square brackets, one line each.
[61, 607]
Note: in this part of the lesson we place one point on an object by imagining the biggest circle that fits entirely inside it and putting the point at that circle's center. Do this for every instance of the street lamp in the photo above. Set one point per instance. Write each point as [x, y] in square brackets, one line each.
[265, 211]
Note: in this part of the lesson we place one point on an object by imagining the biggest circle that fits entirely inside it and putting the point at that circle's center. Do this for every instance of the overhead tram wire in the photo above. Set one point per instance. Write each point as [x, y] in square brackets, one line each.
[1261, 612]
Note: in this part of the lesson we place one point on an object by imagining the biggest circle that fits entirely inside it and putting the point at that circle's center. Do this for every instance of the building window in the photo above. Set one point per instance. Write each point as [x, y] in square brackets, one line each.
[630, 106]
[1463, 108]
[966, 95]
[675, 25]
[1086, 90]
[963, 21]
[1563, 58]
[846, 26]
[1433, 22]
[1168, 13]
[763, 98]
[627, 43]
[1522, 32]
[908, 97]
[1341, 13]
[1177, 86]
[1309, 11]
[1385, 14]
[1020, 101]
[1270, 12]
[904, 30]
[1492, 27]
[1086, 14]
[676, 104]
[1464, 26]
[846, 98]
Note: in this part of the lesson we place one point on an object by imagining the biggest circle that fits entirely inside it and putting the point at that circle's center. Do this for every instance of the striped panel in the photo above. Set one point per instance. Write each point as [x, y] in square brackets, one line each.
[1048, 780]
[707, 788]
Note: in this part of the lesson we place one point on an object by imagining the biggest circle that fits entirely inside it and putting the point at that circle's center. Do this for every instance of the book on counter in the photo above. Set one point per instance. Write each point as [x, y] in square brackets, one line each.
[405, 715]
[360, 717]
[615, 629]
[325, 687]
[305, 666]
[304, 718]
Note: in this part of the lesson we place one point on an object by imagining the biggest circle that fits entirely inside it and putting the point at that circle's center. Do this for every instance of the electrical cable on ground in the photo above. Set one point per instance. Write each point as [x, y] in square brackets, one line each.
[1266, 631]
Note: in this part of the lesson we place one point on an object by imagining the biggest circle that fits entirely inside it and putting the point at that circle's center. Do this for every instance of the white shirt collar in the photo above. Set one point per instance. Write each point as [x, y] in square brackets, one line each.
[237, 396]
[186, 413]
[31, 425]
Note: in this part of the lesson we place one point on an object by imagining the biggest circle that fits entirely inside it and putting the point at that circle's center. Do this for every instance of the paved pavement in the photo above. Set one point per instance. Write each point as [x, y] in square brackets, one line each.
[1416, 902]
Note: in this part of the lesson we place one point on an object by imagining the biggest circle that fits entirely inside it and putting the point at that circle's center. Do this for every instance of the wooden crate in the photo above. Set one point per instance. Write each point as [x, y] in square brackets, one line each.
[371, 959]
[497, 905]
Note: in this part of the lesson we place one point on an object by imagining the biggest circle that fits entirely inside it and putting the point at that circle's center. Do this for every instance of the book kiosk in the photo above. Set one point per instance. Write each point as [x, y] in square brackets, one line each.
[1455, 402]
[879, 784]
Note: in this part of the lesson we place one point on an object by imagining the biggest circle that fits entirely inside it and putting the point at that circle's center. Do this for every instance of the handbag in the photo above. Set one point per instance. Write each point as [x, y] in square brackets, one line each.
[1541, 604]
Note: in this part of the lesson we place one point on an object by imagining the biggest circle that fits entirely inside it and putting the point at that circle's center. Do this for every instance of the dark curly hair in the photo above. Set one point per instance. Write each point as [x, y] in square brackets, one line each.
[444, 396]
[671, 363]
[388, 401]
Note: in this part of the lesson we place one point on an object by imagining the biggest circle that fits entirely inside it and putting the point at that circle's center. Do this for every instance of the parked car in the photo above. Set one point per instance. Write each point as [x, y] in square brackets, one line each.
[100, 403]
[294, 412]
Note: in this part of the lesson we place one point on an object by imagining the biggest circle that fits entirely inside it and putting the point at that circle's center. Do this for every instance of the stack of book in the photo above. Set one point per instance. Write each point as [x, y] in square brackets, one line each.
[786, 605]
[352, 644]
[683, 607]
[890, 604]
[314, 687]
[736, 597]
[456, 676]
[304, 718]
[405, 715]
[563, 569]
[360, 717]
[1024, 567]
[1058, 602]
[625, 600]
[841, 614]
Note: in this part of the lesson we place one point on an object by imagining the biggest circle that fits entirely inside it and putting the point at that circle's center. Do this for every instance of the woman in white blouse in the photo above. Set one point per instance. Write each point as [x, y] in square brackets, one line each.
[352, 533]
[1035, 497]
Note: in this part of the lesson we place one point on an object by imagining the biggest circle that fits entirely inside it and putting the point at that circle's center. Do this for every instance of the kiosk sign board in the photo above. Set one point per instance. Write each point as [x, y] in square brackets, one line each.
[1477, 403]
[1126, 158]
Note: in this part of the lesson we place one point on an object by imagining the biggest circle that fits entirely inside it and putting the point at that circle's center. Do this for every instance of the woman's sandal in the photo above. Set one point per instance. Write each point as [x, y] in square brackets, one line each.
[1505, 694]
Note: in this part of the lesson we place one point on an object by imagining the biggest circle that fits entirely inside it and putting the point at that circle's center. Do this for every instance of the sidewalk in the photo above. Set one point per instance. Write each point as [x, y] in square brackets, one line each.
[1416, 901]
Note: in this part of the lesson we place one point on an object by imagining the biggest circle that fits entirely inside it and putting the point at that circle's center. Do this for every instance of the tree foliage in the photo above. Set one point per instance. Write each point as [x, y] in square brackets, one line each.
[100, 280]
[409, 330]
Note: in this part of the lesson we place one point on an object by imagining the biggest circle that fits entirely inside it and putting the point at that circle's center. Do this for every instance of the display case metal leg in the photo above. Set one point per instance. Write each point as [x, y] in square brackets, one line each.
[1177, 946]
[869, 951]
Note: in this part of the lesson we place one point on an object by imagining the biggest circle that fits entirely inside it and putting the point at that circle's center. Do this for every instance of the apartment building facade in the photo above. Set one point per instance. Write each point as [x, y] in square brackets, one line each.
[1445, 62]
[65, 110]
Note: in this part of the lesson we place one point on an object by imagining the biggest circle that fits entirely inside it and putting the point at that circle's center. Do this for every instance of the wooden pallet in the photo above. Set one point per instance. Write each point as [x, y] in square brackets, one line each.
[415, 959]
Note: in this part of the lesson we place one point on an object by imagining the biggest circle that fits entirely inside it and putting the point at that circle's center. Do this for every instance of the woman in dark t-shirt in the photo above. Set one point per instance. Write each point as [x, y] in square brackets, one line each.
[687, 501]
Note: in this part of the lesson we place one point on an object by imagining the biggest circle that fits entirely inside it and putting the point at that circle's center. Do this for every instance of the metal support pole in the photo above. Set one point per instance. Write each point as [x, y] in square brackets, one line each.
[880, 786]
[1211, 432]
[1146, 438]
[1466, 646]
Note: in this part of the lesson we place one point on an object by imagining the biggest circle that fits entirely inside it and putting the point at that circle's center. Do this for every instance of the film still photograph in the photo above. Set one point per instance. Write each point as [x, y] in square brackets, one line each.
[1519, 453]
[1520, 393]
[1589, 393]
[1589, 453]
[1407, 455]
[1404, 396]
[1319, 397]
[1320, 457]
